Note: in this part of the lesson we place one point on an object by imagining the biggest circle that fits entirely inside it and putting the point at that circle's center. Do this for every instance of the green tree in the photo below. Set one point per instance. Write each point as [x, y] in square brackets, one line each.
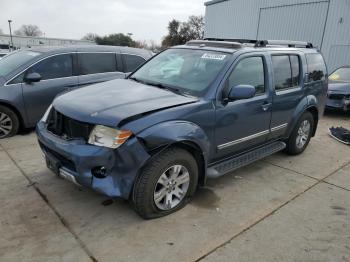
[116, 39]
[181, 32]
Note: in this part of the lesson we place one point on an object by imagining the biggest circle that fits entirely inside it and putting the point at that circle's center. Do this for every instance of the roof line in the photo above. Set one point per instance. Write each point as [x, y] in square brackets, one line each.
[212, 2]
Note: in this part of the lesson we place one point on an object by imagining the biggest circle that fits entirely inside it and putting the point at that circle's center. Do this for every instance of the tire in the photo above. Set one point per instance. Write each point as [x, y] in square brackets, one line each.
[9, 123]
[299, 138]
[155, 180]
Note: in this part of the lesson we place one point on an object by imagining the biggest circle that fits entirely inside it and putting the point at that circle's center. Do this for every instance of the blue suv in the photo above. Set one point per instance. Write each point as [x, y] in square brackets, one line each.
[190, 113]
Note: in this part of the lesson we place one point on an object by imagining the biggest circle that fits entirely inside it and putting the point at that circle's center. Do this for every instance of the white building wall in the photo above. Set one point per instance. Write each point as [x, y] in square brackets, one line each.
[27, 41]
[325, 23]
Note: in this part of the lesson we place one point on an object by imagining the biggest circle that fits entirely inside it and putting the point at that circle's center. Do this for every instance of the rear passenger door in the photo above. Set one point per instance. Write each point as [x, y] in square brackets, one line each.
[95, 67]
[131, 62]
[288, 92]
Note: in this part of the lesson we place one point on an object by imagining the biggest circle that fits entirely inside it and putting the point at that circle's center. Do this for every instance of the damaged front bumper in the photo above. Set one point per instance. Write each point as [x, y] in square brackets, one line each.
[82, 163]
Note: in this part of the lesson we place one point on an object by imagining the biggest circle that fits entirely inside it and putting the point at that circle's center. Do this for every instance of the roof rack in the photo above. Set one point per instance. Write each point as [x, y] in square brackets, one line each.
[214, 43]
[264, 43]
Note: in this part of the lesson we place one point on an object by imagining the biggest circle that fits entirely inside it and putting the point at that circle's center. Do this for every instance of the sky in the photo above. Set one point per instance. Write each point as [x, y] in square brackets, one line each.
[146, 20]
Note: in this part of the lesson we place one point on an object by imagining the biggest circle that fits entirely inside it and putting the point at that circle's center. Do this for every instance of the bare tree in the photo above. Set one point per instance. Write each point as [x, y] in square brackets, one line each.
[90, 37]
[29, 30]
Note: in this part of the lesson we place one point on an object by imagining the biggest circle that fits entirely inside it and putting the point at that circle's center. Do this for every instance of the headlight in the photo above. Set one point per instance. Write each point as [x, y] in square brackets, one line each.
[46, 115]
[108, 137]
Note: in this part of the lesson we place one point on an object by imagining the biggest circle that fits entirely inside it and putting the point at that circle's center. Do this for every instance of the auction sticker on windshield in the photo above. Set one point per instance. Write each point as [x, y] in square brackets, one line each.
[213, 56]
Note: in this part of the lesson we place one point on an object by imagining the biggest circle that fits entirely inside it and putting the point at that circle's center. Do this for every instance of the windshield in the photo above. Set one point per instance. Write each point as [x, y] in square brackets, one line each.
[14, 60]
[189, 71]
[342, 74]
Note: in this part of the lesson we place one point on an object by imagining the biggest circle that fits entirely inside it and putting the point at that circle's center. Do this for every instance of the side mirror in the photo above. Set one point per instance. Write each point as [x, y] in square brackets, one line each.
[32, 77]
[241, 92]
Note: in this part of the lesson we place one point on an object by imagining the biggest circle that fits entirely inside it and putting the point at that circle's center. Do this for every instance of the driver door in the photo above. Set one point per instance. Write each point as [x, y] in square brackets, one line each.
[244, 124]
[56, 76]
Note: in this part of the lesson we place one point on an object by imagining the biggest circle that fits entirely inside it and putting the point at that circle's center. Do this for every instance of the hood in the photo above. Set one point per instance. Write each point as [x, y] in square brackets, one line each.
[339, 87]
[115, 102]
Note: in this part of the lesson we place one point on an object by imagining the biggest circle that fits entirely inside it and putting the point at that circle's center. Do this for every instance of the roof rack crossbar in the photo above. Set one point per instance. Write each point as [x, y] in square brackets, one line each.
[264, 43]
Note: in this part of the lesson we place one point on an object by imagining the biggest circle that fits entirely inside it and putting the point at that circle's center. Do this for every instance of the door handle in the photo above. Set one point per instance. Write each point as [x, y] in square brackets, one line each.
[266, 105]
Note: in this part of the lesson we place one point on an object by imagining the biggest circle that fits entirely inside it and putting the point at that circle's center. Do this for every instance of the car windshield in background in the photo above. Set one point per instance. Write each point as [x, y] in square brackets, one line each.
[15, 60]
[187, 70]
[342, 74]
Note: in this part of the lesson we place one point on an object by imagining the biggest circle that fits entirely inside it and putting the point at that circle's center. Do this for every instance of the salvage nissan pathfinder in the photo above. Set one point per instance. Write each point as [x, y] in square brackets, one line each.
[190, 113]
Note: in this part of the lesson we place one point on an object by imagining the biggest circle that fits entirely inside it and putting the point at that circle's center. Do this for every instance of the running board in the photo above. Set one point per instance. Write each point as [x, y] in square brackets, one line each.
[245, 159]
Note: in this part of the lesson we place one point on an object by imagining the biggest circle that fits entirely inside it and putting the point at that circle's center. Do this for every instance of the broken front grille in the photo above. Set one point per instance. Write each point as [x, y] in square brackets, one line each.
[66, 127]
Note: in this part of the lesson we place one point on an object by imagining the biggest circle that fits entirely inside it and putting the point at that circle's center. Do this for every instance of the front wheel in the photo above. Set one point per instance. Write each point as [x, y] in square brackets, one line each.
[165, 184]
[9, 123]
[301, 134]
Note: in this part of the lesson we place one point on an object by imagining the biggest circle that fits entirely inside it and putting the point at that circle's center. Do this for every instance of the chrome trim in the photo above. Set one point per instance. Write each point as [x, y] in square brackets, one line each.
[276, 128]
[243, 139]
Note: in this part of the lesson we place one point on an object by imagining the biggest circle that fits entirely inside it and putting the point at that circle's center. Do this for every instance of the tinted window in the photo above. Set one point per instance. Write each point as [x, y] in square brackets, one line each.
[15, 60]
[249, 71]
[316, 67]
[132, 62]
[282, 72]
[294, 62]
[93, 63]
[54, 67]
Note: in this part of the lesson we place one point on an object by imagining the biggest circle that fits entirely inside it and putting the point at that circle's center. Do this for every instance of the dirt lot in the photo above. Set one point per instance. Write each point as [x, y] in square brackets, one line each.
[280, 209]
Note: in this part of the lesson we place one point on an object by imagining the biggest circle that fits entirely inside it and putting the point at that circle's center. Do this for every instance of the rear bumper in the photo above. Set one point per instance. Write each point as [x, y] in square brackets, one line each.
[78, 158]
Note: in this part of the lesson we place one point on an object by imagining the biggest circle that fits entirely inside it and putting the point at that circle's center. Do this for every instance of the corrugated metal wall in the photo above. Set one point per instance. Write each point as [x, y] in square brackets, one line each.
[326, 23]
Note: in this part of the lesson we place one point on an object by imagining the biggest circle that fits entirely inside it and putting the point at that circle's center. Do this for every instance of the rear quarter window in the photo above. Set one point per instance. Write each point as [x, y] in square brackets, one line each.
[316, 67]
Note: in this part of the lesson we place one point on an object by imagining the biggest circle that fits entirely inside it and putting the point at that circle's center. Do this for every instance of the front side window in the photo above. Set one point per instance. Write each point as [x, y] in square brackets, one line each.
[249, 71]
[341, 75]
[132, 62]
[316, 67]
[15, 60]
[57, 66]
[95, 63]
[188, 70]
[286, 70]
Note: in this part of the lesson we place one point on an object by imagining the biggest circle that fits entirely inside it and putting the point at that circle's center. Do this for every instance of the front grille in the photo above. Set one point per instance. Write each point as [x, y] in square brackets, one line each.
[66, 127]
[336, 96]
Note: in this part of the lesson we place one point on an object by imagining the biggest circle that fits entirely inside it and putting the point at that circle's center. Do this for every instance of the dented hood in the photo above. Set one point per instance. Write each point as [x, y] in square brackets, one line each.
[112, 102]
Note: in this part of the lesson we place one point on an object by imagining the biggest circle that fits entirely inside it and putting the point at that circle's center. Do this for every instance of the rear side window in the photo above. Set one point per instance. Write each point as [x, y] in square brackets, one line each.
[286, 70]
[249, 71]
[316, 67]
[131, 62]
[58, 66]
[94, 63]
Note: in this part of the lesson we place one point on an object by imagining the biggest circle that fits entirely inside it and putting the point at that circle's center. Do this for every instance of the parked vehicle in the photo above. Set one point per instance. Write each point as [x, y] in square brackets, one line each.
[30, 79]
[219, 105]
[338, 96]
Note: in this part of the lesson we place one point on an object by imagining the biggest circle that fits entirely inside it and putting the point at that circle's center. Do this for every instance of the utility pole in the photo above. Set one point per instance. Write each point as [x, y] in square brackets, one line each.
[11, 34]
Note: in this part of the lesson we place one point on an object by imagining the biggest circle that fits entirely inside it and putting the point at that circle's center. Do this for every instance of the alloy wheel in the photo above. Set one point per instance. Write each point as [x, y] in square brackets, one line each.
[171, 187]
[5, 124]
[303, 134]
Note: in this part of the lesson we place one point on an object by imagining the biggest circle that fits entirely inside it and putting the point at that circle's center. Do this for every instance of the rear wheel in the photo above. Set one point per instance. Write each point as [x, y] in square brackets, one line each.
[301, 135]
[9, 122]
[165, 184]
